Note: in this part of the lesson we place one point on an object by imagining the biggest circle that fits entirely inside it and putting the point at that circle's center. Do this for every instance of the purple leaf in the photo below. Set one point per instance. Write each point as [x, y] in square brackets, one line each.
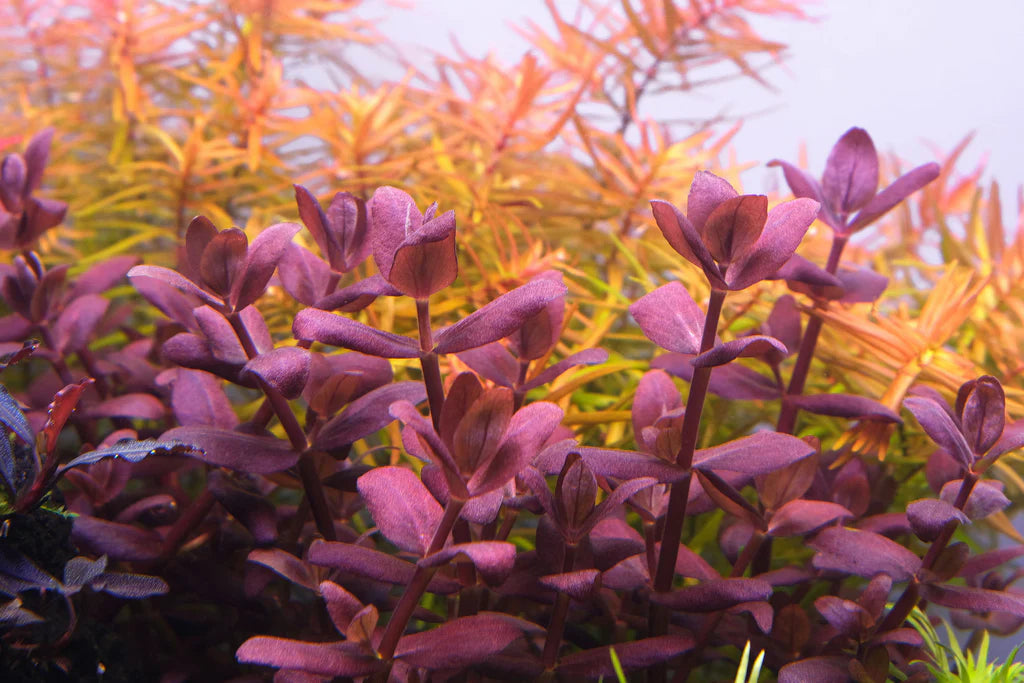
[37, 155]
[304, 275]
[247, 453]
[939, 425]
[863, 553]
[324, 659]
[798, 517]
[432, 445]
[974, 599]
[637, 654]
[478, 435]
[784, 322]
[401, 506]
[358, 295]
[1011, 440]
[552, 372]
[130, 586]
[312, 324]
[744, 347]
[459, 643]
[579, 585]
[285, 565]
[367, 414]
[285, 369]
[758, 453]
[734, 226]
[493, 559]
[670, 318]
[986, 498]
[801, 183]
[981, 405]
[198, 398]
[540, 333]
[715, 594]
[682, 235]
[167, 299]
[341, 605]
[928, 517]
[848, 618]
[986, 561]
[786, 484]
[254, 511]
[861, 286]
[630, 465]
[817, 669]
[372, 564]
[851, 172]
[500, 317]
[803, 276]
[783, 231]
[261, 261]
[655, 396]
[144, 406]
[223, 259]
[728, 381]
[132, 451]
[845, 405]
[528, 429]
[77, 322]
[118, 541]
[900, 189]
[221, 338]
[492, 362]
[173, 279]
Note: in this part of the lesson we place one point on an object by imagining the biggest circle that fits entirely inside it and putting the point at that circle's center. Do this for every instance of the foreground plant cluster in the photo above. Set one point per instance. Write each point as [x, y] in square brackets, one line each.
[558, 424]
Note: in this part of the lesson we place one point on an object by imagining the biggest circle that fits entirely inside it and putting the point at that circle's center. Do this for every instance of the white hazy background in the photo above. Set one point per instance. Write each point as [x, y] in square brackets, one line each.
[919, 75]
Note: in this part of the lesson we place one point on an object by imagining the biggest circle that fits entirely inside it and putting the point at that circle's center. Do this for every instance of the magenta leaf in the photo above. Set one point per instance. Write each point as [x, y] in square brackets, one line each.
[900, 189]
[493, 559]
[237, 451]
[144, 406]
[459, 643]
[260, 262]
[637, 654]
[313, 324]
[401, 506]
[579, 585]
[670, 318]
[77, 322]
[845, 405]
[367, 414]
[758, 453]
[285, 369]
[928, 516]
[500, 317]
[221, 338]
[744, 347]
[324, 659]
[715, 594]
[372, 564]
[939, 425]
[863, 553]
[798, 517]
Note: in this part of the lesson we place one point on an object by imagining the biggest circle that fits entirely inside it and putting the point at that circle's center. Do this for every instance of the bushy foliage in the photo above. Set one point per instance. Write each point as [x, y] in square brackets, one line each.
[373, 436]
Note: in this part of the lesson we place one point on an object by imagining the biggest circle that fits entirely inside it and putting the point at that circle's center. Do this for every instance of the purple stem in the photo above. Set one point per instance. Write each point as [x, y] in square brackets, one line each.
[428, 361]
[797, 381]
[556, 627]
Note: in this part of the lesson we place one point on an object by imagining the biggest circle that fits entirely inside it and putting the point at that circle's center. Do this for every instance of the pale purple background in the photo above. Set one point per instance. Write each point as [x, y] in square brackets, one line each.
[919, 75]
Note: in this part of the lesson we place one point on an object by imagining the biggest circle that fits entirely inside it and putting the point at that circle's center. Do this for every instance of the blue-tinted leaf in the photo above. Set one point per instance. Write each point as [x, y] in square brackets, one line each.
[134, 451]
[13, 418]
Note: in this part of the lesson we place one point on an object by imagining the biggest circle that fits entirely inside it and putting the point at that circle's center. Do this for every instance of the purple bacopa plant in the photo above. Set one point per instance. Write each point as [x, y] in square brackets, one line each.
[329, 514]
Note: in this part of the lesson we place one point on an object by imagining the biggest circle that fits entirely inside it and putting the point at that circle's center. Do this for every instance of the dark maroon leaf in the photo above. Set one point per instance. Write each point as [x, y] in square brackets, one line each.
[670, 318]
[715, 594]
[681, 233]
[500, 317]
[792, 628]
[528, 429]
[223, 259]
[784, 229]
[459, 643]
[759, 453]
[285, 369]
[727, 497]
[372, 564]
[798, 517]
[17, 355]
[198, 235]
[255, 512]
[844, 405]
[429, 445]
[579, 585]
[846, 617]
[246, 453]
[46, 293]
[789, 483]
[285, 565]
[539, 334]
[575, 492]
[981, 405]
[733, 227]
[315, 325]
[492, 362]
[863, 553]
[974, 599]
[817, 669]
[12, 183]
[264, 253]
[155, 510]
[367, 414]
[76, 323]
[117, 541]
[939, 425]
[353, 375]
[401, 506]
[928, 517]
[638, 654]
[324, 659]
[493, 559]
[744, 347]
[478, 435]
